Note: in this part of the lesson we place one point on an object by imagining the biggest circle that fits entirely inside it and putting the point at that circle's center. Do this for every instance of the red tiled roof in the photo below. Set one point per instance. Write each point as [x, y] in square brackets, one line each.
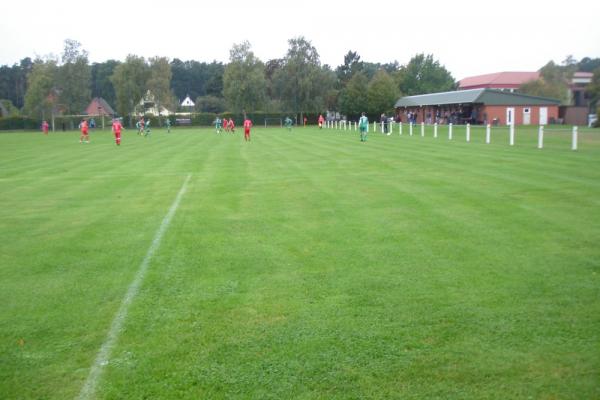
[99, 106]
[498, 79]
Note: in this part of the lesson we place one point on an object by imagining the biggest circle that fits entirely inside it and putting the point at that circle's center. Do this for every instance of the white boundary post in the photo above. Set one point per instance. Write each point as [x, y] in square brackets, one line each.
[468, 132]
[435, 130]
[450, 131]
[574, 139]
[541, 137]
[400, 128]
[422, 129]
[355, 125]
[511, 135]
[391, 128]
[488, 131]
[410, 128]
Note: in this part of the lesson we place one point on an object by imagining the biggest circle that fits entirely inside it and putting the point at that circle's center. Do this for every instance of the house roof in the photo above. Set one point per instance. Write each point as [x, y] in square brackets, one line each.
[488, 97]
[498, 79]
[187, 102]
[99, 106]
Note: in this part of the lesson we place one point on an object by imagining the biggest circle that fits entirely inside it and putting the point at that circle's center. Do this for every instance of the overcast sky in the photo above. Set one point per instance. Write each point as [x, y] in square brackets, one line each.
[468, 37]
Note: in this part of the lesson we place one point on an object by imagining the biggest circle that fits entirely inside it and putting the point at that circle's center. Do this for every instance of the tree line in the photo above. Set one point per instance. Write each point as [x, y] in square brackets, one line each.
[296, 83]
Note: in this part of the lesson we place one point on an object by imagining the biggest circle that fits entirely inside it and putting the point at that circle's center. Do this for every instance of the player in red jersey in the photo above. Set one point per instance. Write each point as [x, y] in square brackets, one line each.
[116, 128]
[231, 125]
[45, 127]
[247, 126]
[225, 125]
[83, 125]
[321, 121]
[140, 126]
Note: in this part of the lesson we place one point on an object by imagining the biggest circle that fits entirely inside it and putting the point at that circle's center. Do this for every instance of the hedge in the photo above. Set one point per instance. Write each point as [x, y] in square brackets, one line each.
[12, 123]
[198, 119]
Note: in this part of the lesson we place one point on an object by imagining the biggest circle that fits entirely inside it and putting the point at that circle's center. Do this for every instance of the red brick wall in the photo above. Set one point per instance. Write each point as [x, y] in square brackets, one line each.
[500, 113]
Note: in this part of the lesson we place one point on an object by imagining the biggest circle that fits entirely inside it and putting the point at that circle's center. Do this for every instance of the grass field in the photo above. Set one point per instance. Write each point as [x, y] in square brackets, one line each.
[301, 266]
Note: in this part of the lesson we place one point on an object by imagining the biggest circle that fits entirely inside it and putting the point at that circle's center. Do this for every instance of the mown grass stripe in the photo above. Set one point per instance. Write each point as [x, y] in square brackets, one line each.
[89, 387]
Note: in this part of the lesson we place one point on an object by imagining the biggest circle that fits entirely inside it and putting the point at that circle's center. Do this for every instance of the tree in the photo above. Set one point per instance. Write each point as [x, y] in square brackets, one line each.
[101, 84]
[352, 65]
[552, 83]
[588, 64]
[196, 79]
[353, 98]
[74, 78]
[11, 110]
[382, 93]
[13, 81]
[129, 80]
[159, 82]
[302, 84]
[180, 81]
[272, 67]
[424, 75]
[212, 104]
[41, 98]
[213, 78]
[244, 84]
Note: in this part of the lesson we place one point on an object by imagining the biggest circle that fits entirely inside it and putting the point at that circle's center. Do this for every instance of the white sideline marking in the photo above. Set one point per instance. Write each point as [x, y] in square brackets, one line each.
[89, 388]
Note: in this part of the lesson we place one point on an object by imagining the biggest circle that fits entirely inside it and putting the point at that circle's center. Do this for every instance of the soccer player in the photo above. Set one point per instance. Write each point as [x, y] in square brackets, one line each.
[116, 128]
[288, 123]
[247, 126]
[140, 126]
[225, 124]
[321, 121]
[83, 125]
[168, 125]
[231, 125]
[218, 124]
[363, 124]
[147, 127]
[45, 127]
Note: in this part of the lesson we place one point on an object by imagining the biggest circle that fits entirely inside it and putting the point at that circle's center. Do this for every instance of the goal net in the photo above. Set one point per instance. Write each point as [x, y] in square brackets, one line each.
[273, 122]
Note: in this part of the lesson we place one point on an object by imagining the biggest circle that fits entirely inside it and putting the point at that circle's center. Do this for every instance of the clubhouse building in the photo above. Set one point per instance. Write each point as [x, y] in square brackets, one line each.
[477, 106]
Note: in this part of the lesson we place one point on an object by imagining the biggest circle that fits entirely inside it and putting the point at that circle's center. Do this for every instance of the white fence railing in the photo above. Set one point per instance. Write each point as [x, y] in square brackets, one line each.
[390, 127]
